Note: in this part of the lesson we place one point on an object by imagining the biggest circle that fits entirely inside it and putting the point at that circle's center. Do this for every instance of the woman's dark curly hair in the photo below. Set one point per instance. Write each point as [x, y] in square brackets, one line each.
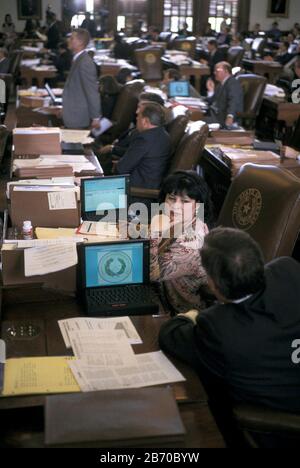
[194, 186]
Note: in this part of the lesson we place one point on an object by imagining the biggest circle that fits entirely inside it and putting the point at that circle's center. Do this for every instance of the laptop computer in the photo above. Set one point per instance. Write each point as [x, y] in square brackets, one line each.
[179, 88]
[105, 196]
[57, 101]
[115, 279]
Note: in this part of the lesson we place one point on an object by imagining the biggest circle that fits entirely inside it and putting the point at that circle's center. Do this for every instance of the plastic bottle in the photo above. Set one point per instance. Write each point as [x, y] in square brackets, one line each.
[27, 230]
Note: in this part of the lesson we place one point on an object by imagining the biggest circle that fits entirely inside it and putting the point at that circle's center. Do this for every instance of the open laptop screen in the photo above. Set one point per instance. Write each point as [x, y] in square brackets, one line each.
[104, 194]
[114, 264]
[50, 92]
[179, 88]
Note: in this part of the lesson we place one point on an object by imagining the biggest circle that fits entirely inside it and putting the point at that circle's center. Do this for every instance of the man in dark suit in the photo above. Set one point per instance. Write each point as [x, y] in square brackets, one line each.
[89, 24]
[249, 340]
[148, 154]
[53, 33]
[81, 98]
[226, 100]
[215, 55]
[4, 61]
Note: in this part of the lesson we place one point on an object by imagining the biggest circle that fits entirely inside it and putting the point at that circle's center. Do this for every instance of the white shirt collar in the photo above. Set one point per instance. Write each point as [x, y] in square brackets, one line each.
[239, 301]
[78, 54]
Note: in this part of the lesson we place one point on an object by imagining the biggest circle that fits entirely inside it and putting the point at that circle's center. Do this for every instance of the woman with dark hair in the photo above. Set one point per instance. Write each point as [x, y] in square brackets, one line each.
[109, 90]
[177, 237]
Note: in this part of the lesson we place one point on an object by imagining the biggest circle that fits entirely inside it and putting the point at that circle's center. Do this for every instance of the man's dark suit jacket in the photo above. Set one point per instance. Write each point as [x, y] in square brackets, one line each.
[228, 99]
[147, 158]
[4, 65]
[53, 36]
[213, 59]
[248, 346]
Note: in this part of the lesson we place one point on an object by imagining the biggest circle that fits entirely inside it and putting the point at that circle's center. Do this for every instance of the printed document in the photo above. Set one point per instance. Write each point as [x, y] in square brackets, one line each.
[102, 348]
[49, 259]
[110, 323]
[29, 376]
[150, 369]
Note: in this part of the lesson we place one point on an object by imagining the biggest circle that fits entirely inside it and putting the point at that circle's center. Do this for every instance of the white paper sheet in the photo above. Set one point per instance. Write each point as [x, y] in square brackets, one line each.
[62, 201]
[110, 323]
[49, 259]
[102, 348]
[151, 369]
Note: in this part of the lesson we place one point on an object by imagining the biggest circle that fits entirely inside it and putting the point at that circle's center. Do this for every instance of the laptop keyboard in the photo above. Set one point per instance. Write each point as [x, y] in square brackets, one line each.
[140, 294]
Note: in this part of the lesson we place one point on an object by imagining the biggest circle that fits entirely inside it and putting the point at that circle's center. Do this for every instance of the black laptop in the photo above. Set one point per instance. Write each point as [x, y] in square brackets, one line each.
[115, 279]
[57, 101]
[105, 196]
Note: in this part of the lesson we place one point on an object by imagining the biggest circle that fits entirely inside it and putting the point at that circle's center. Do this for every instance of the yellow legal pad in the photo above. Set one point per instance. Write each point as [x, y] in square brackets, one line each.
[29, 376]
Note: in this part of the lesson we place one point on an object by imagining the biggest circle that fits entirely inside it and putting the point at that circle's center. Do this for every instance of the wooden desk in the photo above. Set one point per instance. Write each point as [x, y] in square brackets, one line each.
[265, 68]
[218, 175]
[276, 118]
[37, 306]
[197, 70]
[40, 76]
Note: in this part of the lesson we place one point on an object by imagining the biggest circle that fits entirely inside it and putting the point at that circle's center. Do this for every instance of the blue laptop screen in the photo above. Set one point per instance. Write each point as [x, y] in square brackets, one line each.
[114, 264]
[104, 194]
[179, 88]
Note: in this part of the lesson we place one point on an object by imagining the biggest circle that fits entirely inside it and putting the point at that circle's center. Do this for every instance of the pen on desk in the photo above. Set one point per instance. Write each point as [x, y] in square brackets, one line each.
[2, 363]
[89, 228]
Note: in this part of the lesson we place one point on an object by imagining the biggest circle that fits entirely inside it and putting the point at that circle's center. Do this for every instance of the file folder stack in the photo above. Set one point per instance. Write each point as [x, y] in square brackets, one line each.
[37, 140]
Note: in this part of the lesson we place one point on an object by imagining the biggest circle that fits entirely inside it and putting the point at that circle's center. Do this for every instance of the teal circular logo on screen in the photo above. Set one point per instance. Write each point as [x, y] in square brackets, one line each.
[115, 267]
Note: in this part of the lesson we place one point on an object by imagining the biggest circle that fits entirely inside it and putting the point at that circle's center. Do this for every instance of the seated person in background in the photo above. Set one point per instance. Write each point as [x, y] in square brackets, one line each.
[288, 82]
[109, 90]
[176, 261]
[147, 156]
[224, 37]
[215, 55]
[4, 61]
[89, 24]
[184, 32]
[124, 75]
[62, 61]
[121, 145]
[8, 26]
[274, 32]
[209, 32]
[121, 50]
[227, 99]
[256, 31]
[283, 56]
[31, 26]
[245, 341]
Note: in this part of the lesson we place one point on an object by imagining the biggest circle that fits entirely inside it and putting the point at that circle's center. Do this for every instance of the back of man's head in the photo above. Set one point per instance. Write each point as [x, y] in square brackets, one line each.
[151, 97]
[213, 43]
[234, 262]
[83, 36]
[154, 113]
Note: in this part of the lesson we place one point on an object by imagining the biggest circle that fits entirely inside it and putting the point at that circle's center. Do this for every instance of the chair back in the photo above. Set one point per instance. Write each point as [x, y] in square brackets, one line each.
[15, 60]
[265, 202]
[186, 45]
[188, 153]
[235, 56]
[149, 62]
[258, 46]
[253, 89]
[176, 129]
[124, 110]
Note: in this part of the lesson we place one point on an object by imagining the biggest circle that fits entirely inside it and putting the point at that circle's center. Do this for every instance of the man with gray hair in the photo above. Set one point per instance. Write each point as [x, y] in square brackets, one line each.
[148, 154]
[81, 98]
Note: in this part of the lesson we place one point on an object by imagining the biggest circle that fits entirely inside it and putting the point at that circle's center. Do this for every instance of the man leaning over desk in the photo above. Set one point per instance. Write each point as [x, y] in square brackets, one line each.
[81, 98]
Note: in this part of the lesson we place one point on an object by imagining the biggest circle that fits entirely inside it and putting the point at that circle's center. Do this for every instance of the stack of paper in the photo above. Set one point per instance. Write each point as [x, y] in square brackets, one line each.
[105, 359]
[55, 165]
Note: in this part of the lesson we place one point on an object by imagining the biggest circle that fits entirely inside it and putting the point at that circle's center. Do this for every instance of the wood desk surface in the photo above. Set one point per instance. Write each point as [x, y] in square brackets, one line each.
[43, 309]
